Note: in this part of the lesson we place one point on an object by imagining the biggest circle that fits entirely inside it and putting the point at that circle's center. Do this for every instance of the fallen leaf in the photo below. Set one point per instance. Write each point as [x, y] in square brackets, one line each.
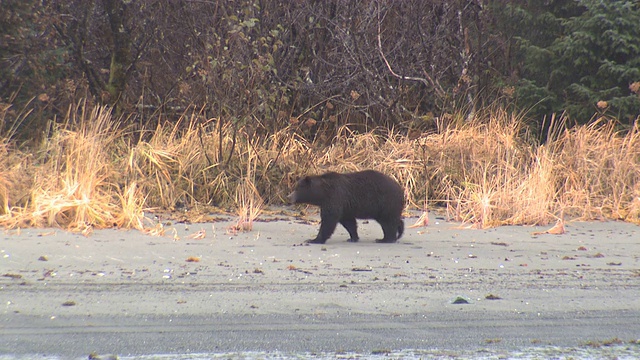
[198, 235]
[557, 229]
[13, 276]
[157, 230]
[422, 221]
[596, 255]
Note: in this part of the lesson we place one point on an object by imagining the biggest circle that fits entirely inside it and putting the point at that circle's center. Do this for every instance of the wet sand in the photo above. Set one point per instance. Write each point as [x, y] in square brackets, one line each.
[126, 293]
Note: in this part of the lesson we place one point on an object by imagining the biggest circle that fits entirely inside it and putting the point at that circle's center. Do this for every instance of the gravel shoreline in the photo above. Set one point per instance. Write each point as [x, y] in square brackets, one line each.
[265, 292]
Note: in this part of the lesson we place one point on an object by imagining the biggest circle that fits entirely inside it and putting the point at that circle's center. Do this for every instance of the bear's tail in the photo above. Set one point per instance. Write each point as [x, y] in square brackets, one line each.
[400, 228]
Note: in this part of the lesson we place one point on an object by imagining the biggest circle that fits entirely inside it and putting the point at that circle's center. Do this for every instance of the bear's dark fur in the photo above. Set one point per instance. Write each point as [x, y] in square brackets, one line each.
[343, 198]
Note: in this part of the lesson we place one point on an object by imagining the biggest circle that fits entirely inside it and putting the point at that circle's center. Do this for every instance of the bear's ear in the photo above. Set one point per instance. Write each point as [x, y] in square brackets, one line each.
[306, 180]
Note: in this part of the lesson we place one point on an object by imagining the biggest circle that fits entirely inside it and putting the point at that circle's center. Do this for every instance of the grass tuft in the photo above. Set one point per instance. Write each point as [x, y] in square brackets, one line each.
[249, 203]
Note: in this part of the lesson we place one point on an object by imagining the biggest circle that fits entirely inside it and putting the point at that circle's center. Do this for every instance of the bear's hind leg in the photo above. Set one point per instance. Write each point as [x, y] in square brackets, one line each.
[390, 230]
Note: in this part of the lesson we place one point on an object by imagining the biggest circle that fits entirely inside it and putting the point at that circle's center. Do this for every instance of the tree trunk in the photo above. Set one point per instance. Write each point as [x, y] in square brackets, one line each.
[120, 55]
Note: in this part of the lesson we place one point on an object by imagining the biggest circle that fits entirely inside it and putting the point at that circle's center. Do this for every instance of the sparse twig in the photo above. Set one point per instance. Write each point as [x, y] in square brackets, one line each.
[428, 82]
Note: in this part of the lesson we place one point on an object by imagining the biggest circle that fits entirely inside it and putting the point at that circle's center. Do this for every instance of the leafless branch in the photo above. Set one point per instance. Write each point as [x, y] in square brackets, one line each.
[428, 82]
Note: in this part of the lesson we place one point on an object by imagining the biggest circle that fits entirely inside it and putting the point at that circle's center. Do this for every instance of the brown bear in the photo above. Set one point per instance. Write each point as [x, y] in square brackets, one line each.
[343, 198]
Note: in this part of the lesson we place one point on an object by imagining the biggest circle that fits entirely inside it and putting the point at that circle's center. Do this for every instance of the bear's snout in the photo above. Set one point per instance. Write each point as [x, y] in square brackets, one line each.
[293, 197]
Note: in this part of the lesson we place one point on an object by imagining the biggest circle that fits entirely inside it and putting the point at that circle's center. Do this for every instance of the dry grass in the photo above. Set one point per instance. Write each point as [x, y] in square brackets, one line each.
[600, 171]
[92, 173]
[13, 162]
[489, 172]
[249, 203]
[494, 174]
[5, 174]
[68, 180]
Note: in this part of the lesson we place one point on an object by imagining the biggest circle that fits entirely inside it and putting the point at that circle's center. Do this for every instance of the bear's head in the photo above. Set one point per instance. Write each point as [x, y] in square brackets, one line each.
[312, 190]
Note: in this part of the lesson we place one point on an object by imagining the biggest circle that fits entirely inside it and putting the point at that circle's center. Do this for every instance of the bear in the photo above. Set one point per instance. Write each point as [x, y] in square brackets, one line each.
[343, 198]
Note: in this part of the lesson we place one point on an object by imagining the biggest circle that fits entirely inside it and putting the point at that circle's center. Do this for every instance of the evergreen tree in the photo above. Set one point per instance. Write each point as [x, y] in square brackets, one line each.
[592, 65]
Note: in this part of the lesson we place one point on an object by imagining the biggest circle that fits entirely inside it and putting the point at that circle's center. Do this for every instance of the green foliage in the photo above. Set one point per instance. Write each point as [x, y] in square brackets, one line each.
[602, 52]
[589, 66]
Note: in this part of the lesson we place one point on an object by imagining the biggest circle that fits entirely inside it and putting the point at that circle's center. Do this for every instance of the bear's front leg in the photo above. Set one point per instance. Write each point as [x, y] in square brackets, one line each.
[327, 227]
[352, 227]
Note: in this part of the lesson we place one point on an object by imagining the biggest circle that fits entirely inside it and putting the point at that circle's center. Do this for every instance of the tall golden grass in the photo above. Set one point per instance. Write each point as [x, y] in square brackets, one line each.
[249, 203]
[91, 172]
[70, 179]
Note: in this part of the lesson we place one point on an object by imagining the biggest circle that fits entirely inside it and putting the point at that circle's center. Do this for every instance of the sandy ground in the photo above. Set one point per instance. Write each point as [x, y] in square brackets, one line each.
[126, 293]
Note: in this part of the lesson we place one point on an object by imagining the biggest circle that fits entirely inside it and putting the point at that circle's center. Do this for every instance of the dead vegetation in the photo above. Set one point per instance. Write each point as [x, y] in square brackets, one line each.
[93, 173]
